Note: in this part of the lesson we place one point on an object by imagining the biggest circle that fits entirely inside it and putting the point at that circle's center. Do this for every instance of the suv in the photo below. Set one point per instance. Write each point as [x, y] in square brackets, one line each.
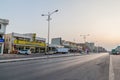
[115, 52]
[26, 51]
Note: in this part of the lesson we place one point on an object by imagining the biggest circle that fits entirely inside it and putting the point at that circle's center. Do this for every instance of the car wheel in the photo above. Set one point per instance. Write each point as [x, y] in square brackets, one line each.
[26, 53]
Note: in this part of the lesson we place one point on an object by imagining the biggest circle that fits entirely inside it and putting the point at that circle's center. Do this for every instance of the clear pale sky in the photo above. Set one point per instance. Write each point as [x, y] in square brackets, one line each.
[99, 18]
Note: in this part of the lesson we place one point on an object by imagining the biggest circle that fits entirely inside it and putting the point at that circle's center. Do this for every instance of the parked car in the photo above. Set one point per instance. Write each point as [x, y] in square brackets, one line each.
[26, 51]
[50, 52]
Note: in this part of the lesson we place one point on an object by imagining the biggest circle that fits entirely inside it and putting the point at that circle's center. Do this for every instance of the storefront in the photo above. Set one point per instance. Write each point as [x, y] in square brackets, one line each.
[17, 41]
[35, 47]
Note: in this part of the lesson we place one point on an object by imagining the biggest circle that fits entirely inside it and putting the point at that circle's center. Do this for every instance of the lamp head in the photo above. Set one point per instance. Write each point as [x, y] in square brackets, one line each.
[42, 15]
[56, 10]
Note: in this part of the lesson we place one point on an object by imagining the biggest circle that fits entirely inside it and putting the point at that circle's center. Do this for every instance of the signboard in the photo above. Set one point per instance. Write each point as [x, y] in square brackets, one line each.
[56, 41]
[1, 40]
[41, 44]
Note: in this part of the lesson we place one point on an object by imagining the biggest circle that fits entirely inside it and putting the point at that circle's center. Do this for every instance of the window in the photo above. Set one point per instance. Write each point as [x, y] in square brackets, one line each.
[0, 36]
[0, 26]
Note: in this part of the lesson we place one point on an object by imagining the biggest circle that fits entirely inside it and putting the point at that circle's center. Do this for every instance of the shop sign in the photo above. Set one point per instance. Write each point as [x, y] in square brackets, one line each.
[42, 44]
[1, 40]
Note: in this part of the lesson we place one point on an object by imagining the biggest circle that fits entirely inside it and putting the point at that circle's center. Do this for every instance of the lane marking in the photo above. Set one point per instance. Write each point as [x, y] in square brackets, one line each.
[111, 72]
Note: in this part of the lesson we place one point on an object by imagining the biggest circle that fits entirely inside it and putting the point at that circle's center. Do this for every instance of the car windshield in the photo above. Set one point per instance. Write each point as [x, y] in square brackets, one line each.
[24, 50]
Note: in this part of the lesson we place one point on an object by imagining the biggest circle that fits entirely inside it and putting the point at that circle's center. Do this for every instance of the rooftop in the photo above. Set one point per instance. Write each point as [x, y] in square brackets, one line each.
[4, 21]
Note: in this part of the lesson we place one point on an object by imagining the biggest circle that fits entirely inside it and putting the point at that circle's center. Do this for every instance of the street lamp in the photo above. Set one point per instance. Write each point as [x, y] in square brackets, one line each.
[97, 46]
[84, 38]
[48, 19]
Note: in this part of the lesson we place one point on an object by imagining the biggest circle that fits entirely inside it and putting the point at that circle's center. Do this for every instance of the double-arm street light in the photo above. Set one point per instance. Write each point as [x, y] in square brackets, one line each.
[48, 19]
[84, 37]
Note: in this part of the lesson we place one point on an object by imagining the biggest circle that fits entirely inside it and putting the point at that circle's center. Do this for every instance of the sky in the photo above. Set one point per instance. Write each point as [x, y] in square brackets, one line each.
[98, 18]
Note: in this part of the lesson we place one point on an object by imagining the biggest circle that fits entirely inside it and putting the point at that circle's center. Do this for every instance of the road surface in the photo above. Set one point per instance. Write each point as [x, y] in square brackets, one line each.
[86, 67]
[116, 66]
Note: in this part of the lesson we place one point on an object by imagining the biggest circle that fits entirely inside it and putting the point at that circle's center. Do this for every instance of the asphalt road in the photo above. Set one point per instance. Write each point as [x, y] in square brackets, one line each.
[87, 67]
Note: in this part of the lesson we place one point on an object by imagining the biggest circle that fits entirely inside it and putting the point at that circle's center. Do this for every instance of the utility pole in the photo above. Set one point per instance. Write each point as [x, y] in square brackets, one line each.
[97, 47]
[84, 37]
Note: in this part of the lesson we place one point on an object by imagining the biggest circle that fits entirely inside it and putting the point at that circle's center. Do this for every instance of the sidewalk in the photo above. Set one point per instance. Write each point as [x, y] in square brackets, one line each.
[17, 57]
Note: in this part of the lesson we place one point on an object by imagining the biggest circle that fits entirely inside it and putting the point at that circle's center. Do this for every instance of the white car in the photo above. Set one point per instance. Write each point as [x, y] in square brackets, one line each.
[26, 51]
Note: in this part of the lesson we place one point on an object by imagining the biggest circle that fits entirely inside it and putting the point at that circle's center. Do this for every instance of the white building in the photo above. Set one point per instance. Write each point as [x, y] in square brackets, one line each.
[3, 24]
[90, 46]
[67, 44]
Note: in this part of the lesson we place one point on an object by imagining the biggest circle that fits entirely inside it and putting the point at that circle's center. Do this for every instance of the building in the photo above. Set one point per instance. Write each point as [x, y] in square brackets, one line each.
[99, 49]
[87, 45]
[67, 44]
[3, 24]
[81, 46]
[90, 46]
[59, 41]
[76, 47]
[16, 41]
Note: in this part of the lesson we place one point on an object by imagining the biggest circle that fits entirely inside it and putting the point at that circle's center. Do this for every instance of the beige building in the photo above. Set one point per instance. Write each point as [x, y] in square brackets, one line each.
[16, 41]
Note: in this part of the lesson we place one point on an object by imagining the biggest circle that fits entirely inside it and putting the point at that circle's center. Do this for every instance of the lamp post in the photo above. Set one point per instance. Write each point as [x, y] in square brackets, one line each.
[84, 38]
[97, 47]
[48, 19]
